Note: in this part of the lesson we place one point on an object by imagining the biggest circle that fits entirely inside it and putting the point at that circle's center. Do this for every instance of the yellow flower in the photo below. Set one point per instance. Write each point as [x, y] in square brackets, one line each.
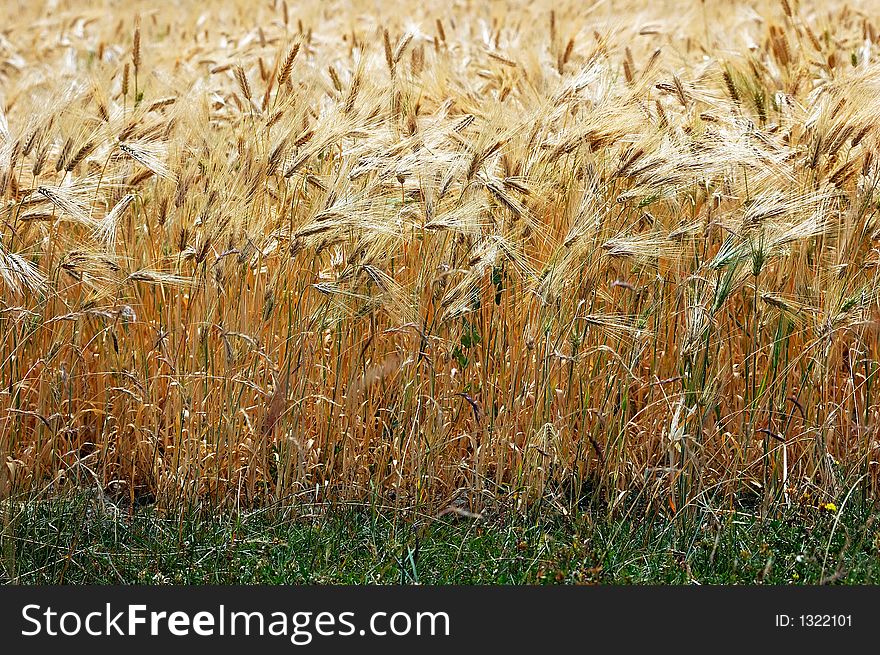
[829, 507]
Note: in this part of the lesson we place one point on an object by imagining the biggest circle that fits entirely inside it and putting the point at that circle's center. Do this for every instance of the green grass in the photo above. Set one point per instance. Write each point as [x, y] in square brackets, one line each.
[66, 540]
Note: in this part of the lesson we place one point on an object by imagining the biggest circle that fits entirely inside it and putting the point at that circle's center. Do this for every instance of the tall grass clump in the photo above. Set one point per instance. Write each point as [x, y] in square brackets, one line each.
[442, 255]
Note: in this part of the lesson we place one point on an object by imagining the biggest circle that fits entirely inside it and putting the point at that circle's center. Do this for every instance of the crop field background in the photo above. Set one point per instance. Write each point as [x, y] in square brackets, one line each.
[447, 255]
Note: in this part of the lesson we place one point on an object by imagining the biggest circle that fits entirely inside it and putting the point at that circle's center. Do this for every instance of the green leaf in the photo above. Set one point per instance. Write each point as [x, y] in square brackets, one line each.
[470, 337]
[460, 357]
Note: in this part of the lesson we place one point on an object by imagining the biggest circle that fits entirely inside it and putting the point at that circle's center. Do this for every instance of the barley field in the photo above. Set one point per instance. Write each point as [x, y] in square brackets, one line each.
[453, 255]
